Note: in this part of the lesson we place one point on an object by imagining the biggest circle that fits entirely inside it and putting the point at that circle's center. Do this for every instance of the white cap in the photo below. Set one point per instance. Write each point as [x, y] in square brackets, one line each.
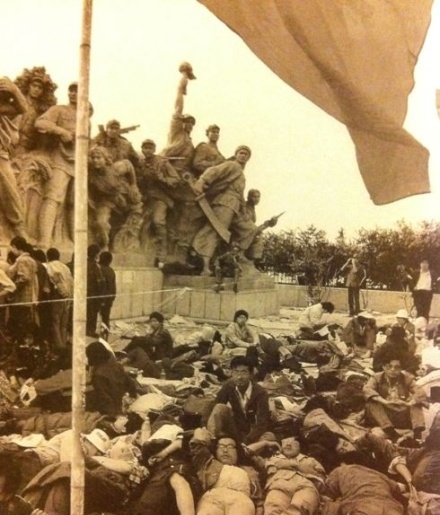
[402, 313]
[366, 314]
[99, 439]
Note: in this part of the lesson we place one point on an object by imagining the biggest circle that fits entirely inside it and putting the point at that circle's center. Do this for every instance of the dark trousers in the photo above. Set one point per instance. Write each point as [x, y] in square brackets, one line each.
[353, 300]
[93, 306]
[422, 301]
[105, 311]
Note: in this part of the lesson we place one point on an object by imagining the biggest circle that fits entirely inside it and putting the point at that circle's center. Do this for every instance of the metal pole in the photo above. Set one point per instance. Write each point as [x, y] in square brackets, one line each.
[80, 249]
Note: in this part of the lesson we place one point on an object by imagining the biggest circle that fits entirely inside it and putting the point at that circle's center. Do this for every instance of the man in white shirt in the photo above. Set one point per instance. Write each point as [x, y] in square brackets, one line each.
[422, 293]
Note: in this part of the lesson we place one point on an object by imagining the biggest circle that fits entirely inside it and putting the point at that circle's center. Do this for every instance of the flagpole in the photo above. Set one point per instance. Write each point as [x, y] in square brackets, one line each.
[80, 264]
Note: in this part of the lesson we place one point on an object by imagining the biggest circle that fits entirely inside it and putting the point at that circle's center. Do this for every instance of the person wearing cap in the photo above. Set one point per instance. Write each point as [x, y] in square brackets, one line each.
[224, 185]
[360, 333]
[118, 147]
[207, 154]
[157, 180]
[402, 320]
[59, 122]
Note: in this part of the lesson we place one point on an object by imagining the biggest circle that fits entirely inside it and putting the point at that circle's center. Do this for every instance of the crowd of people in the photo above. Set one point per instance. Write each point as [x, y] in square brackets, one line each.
[321, 419]
[327, 418]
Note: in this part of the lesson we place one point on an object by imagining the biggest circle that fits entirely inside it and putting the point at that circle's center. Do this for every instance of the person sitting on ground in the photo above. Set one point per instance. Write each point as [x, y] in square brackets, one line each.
[109, 380]
[148, 352]
[360, 333]
[238, 336]
[402, 320]
[314, 318]
[241, 406]
[158, 344]
[397, 343]
[231, 487]
[293, 479]
[394, 400]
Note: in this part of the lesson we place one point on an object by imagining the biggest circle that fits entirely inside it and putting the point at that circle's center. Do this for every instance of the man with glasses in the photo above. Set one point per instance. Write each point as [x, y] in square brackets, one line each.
[247, 414]
[394, 400]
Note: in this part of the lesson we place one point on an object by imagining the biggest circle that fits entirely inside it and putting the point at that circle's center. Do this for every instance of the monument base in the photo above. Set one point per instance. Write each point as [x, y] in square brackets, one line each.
[257, 295]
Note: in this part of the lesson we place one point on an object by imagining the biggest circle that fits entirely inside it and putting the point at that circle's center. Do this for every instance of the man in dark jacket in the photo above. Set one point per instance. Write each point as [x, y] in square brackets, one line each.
[95, 288]
[248, 416]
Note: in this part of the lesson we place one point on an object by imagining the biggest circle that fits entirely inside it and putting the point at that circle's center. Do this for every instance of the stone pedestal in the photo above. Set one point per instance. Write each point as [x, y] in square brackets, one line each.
[256, 294]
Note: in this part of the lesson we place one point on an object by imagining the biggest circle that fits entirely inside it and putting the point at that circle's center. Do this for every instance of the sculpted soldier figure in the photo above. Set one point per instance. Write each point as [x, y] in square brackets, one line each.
[112, 189]
[245, 231]
[12, 104]
[157, 178]
[38, 89]
[180, 148]
[207, 154]
[224, 186]
[60, 122]
[117, 146]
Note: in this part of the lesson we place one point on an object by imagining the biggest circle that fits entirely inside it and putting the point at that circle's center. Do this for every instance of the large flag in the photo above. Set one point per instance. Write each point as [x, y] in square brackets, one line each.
[355, 59]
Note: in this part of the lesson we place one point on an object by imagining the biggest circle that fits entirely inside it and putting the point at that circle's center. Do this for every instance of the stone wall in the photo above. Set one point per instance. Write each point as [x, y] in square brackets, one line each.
[377, 300]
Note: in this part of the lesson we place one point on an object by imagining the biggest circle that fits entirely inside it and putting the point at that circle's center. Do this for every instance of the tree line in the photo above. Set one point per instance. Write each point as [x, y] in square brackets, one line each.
[390, 255]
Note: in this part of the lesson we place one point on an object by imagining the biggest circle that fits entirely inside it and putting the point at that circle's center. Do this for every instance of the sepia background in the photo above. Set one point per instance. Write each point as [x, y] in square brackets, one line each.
[303, 160]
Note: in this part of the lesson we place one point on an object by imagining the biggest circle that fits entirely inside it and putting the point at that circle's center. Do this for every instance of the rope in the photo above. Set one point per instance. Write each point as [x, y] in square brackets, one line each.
[181, 291]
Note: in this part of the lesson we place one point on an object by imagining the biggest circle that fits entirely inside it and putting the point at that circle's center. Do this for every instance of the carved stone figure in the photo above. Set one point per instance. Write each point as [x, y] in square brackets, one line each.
[12, 104]
[112, 191]
[38, 89]
[207, 154]
[117, 146]
[245, 231]
[157, 179]
[224, 186]
[59, 122]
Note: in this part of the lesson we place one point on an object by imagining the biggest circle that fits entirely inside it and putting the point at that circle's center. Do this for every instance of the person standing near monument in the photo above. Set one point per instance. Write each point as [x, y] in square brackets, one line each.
[356, 276]
[61, 293]
[224, 185]
[24, 274]
[60, 122]
[207, 154]
[423, 290]
[12, 104]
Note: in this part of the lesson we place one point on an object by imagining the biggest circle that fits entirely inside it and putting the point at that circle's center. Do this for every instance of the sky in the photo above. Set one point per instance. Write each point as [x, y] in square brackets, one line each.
[303, 160]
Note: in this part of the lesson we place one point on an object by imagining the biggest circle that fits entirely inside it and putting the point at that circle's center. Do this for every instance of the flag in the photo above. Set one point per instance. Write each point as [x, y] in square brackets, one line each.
[355, 59]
